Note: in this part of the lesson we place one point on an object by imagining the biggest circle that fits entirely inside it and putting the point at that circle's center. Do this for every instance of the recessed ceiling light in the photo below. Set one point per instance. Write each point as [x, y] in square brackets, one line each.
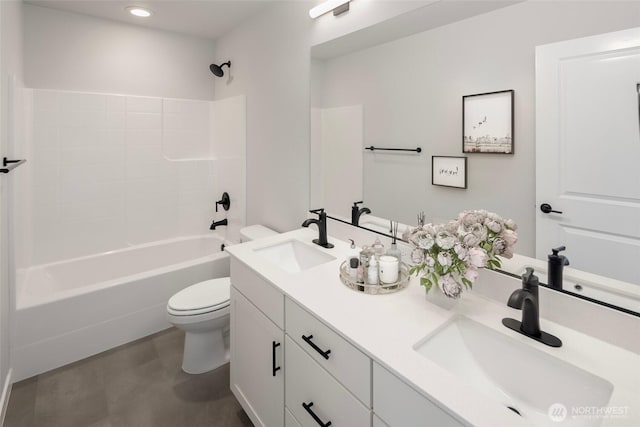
[139, 11]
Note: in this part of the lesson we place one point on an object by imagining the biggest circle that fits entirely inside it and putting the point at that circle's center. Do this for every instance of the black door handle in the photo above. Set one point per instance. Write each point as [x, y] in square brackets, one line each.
[307, 408]
[274, 368]
[546, 208]
[313, 345]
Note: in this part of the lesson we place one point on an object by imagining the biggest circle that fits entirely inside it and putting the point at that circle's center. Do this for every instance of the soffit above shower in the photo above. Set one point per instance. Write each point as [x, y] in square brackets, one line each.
[203, 18]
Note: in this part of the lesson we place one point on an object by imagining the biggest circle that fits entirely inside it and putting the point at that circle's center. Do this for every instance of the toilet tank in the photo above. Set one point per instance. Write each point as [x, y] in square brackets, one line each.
[254, 232]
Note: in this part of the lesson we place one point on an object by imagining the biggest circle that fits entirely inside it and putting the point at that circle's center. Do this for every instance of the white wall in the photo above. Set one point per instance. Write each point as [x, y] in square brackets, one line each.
[10, 80]
[412, 89]
[270, 64]
[270, 56]
[69, 51]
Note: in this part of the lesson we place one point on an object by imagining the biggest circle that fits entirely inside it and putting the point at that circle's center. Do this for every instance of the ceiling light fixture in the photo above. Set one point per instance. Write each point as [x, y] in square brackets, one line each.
[139, 11]
[338, 7]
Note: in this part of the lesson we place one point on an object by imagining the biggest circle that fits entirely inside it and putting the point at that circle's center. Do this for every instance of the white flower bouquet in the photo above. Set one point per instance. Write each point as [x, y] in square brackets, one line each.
[449, 255]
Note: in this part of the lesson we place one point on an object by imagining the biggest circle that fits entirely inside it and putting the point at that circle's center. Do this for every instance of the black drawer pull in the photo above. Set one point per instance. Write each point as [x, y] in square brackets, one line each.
[275, 368]
[307, 408]
[324, 354]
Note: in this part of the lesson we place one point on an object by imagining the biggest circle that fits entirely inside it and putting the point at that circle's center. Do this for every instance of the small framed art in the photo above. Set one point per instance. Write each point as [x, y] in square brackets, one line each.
[487, 123]
[448, 171]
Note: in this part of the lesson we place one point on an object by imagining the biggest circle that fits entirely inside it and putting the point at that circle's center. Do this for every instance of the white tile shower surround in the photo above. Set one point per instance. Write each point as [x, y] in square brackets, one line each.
[108, 171]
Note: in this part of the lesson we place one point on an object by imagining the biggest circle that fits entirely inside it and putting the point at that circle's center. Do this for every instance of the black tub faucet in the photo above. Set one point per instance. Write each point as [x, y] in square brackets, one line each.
[321, 222]
[225, 202]
[555, 267]
[215, 224]
[356, 212]
[526, 299]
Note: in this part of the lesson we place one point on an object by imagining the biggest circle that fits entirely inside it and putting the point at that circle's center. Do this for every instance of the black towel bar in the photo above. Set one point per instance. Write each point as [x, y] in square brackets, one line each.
[372, 148]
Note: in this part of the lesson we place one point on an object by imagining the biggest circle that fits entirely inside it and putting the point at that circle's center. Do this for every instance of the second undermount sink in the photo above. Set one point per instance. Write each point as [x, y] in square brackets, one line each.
[522, 378]
[294, 256]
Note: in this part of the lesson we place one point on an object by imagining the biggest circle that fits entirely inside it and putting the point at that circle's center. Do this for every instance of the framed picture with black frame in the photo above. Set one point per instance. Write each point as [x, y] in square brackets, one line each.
[487, 122]
[449, 171]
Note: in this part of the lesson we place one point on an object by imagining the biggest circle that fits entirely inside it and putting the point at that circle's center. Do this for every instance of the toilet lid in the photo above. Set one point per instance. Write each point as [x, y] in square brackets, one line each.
[207, 294]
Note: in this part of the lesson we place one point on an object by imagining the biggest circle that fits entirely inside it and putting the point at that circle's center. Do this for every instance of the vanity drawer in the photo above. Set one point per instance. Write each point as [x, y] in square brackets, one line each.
[259, 291]
[323, 397]
[399, 405]
[343, 360]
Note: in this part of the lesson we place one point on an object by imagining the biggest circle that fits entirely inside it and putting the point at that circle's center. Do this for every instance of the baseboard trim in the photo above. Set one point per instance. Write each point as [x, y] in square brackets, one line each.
[6, 393]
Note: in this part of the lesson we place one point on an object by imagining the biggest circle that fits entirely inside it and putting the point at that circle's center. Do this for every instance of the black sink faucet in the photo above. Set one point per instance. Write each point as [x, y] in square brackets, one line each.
[356, 212]
[555, 266]
[321, 222]
[526, 299]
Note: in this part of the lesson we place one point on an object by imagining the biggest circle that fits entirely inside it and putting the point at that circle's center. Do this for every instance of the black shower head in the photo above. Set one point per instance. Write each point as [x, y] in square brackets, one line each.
[217, 69]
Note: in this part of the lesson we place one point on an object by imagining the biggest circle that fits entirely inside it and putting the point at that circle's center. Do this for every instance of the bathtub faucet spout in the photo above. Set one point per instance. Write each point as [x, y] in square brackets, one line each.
[215, 224]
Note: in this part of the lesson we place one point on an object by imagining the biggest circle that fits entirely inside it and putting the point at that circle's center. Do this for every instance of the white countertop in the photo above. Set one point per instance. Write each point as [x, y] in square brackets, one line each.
[386, 327]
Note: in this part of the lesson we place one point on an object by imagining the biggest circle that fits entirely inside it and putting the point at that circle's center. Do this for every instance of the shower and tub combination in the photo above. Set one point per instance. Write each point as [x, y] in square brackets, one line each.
[72, 309]
[104, 241]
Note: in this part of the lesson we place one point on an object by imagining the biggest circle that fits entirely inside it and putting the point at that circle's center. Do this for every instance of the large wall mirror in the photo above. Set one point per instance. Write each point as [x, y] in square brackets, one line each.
[406, 91]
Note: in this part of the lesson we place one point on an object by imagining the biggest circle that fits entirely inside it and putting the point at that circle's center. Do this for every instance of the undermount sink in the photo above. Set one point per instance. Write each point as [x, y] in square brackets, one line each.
[522, 378]
[294, 256]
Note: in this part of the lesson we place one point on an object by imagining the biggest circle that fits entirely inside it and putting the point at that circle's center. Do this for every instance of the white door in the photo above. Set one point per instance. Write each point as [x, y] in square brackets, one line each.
[257, 363]
[588, 152]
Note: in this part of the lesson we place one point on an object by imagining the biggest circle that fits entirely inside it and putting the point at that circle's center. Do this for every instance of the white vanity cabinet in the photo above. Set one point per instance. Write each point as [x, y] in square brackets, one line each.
[328, 380]
[257, 346]
[339, 357]
[289, 368]
[398, 405]
[290, 420]
[377, 422]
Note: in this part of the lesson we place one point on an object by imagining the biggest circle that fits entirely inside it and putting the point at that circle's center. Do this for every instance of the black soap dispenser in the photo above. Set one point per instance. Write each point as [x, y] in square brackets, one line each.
[556, 264]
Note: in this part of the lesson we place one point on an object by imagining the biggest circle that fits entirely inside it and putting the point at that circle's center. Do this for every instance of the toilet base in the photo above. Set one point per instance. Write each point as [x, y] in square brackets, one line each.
[204, 352]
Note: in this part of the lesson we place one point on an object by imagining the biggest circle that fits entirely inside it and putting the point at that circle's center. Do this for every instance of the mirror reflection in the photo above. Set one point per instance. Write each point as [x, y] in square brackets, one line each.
[408, 93]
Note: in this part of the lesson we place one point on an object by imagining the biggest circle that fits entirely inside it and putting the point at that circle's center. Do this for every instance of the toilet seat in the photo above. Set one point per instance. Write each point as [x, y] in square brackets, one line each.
[203, 297]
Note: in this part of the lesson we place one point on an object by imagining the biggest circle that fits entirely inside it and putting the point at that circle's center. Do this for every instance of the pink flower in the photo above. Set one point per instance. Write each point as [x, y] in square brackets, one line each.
[478, 257]
[422, 239]
[445, 240]
[461, 251]
[471, 274]
[429, 261]
[470, 240]
[509, 236]
[444, 259]
[450, 287]
[508, 252]
[417, 256]
[492, 225]
[499, 246]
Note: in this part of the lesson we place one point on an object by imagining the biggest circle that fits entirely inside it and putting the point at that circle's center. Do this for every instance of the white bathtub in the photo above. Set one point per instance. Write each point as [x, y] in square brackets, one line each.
[72, 309]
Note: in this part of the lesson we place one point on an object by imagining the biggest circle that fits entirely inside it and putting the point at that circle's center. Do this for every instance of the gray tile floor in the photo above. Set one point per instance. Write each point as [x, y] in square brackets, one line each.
[138, 384]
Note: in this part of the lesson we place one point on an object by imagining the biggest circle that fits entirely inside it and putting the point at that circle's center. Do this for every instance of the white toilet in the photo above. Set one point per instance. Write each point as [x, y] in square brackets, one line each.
[202, 311]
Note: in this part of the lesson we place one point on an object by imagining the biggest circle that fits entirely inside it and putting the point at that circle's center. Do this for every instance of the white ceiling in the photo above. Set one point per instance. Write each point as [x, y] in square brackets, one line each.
[202, 18]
